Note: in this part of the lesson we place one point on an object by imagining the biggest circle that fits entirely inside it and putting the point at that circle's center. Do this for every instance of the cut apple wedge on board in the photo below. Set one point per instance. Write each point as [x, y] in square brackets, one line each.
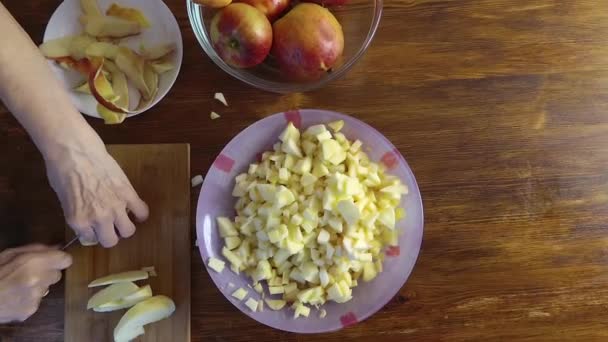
[131, 335]
[109, 27]
[128, 13]
[150, 310]
[112, 293]
[157, 51]
[126, 302]
[120, 278]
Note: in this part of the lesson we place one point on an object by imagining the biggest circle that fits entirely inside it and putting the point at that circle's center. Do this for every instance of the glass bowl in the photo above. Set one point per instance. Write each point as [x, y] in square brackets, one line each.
[359, 20]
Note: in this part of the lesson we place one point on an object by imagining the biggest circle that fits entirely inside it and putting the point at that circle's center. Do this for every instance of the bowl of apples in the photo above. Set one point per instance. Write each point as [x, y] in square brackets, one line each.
[285, 46]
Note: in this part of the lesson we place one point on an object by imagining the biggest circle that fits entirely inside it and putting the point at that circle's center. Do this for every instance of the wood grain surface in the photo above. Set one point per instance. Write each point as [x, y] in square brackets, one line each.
[161, 175]
[500, 108]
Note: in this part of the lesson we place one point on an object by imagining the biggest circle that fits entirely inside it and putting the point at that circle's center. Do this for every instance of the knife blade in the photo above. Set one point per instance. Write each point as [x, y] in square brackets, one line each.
[69, 243]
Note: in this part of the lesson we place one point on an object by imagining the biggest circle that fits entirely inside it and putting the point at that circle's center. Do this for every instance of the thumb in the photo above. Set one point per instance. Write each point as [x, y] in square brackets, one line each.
[56, 259]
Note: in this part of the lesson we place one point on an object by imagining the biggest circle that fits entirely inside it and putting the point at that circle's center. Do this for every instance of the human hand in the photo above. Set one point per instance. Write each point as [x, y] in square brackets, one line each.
[95, 195]
[25, 275]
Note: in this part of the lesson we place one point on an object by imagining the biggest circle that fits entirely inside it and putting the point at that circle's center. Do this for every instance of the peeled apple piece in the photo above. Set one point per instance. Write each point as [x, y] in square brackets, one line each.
[128, 13]
[131, 335]
[157, 51]
[120, 278]
[148, 311]
[127, 301]
[56, 48]
[109, 27]
[102, 49]
[112, 293]
[89, 7]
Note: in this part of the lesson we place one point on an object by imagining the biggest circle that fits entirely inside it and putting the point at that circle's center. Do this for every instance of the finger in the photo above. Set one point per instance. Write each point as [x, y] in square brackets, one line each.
[50, 278]
[8, 254]
[123, 224]
[54, 259]
[106, 235]
[87, 237]
[138, 207]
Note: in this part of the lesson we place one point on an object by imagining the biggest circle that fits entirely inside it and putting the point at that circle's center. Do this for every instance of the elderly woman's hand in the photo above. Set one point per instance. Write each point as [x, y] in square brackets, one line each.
[95, 194]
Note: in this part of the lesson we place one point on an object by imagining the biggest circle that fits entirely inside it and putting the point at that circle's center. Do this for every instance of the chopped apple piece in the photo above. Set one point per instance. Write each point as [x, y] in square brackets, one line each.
[216, 265]
[226, 227]
[322, 313]
[111, 293]
[301, 310]
[252, 304]
[157, 51]
[214, 115]
[128, 13]
[336, 126]
[120, 278]
[126, 302]
[275, 304]
[220, 97]
[240, 294]
[109, 27]
[148, 311]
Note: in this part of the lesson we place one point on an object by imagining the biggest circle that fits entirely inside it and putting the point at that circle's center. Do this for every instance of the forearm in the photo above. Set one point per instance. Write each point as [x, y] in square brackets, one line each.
[38, 100]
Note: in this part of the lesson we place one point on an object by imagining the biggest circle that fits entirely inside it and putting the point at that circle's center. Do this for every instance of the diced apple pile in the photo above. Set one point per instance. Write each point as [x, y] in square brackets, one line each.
[122, 293]
[313, 217]
[107, 66]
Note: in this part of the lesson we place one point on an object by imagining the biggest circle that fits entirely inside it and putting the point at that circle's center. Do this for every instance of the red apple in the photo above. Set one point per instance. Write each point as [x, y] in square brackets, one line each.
[271, 8]
[307, 42]
[328, 3]
[241, 35]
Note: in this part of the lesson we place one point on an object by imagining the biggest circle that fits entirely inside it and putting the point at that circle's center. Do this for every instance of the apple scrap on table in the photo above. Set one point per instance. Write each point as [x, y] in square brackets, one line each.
[313, 217]
[122, 293]
[107, 66]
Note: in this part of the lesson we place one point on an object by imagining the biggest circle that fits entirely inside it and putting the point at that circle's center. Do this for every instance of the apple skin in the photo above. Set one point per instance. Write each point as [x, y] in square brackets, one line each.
[307, 42]
[241, 35]
[329, 3]
[272, 9]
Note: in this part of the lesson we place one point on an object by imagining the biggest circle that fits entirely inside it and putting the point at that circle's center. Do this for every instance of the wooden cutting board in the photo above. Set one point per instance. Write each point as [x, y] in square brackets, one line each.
[161, 176]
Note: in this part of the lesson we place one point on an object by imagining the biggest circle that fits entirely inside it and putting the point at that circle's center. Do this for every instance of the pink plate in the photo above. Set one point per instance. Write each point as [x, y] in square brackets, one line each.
[215, 200]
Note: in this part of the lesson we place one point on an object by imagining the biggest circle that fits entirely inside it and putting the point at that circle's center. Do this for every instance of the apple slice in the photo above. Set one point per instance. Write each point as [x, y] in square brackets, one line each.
[110, 117]
[112, 293]
[128, 13]
[120, 278]
[89, 7]
[79, 45]
[102, 49]
[133, 66]
[157, 51]
[162, 65]
[83, 88]
[150, 310]
[56, 48]
[131, 335]
[126, 302]
[109, 27]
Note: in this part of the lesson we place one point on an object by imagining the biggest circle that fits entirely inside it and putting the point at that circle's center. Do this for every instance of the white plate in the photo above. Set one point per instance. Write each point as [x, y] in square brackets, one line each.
[64, 22]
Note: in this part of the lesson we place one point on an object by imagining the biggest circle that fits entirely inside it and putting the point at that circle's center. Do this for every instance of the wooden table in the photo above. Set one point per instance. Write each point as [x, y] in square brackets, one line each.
[499, 106]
